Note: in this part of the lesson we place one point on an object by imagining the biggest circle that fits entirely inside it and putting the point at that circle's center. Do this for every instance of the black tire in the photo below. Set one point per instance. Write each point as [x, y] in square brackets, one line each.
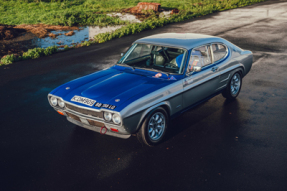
[234, 86]
[153, 136]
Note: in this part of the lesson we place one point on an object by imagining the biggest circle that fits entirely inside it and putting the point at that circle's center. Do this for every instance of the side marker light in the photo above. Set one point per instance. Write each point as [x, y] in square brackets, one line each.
[115, 130]
[61, 113]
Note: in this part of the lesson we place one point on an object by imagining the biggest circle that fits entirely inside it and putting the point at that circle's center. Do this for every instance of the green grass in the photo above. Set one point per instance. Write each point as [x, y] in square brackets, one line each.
[92, 12]
[87, 12]
[68, 13]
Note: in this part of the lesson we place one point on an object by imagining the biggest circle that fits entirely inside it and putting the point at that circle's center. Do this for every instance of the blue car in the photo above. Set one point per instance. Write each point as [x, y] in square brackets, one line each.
[159, 77]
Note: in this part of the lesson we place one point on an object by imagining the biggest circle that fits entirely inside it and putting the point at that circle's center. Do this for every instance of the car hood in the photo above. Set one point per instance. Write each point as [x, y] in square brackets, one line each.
[112, 86]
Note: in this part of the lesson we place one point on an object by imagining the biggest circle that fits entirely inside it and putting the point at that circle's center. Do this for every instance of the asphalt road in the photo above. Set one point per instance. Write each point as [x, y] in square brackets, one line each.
[219, 145]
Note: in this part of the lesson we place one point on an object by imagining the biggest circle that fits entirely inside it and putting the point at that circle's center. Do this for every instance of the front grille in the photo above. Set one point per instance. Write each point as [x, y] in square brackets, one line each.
[91, 122]
[73, 116]
[96, 123]
[85, 111]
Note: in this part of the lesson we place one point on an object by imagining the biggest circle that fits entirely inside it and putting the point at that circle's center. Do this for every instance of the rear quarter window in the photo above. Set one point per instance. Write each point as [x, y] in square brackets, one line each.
[219, 51]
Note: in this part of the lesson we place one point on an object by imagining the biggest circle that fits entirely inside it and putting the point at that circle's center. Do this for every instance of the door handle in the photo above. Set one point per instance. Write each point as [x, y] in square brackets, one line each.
[214, 69]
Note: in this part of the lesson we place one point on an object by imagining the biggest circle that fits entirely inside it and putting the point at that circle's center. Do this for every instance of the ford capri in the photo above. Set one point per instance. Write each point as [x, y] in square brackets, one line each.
[158, 78]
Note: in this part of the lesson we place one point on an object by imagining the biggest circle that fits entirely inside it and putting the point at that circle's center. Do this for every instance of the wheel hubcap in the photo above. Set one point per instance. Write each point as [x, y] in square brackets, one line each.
[156, 126]
[235, 84]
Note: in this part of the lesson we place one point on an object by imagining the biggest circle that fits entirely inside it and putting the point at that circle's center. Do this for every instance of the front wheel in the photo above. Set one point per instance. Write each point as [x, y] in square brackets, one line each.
[233, 88]
[154, 127]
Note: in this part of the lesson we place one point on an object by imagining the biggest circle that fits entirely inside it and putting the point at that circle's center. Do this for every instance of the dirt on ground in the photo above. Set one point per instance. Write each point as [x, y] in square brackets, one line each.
[42, 30]
[18, 39]
[143, 10]
[17, 45]
[8, 32]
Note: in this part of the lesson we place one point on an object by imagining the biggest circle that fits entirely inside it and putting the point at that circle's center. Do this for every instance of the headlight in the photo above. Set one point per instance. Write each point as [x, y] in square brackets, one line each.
[53, 101]
[116, 118]
[108, 116]
[61, 103]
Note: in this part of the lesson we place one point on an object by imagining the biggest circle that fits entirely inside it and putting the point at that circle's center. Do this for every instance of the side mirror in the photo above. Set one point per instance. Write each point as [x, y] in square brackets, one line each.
[196, 68]
[122, 54]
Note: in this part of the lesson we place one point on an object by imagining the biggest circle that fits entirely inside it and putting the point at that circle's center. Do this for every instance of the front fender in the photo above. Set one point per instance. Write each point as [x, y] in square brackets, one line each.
[133, 123]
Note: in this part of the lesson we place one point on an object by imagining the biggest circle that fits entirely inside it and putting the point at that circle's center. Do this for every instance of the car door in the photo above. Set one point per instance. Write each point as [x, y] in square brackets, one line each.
[200, 85]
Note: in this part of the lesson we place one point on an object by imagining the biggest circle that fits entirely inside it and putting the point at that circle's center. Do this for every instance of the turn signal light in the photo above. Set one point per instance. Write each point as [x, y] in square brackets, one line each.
[115, 130]
[61, 113]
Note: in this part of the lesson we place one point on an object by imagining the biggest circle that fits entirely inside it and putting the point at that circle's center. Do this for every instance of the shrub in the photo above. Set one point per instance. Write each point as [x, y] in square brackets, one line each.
[66, 47]
[8, 59]
[86, 43]
[50, 50]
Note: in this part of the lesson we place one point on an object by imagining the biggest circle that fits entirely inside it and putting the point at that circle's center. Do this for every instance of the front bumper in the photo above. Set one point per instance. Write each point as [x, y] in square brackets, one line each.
[93, 123]
[97, 129]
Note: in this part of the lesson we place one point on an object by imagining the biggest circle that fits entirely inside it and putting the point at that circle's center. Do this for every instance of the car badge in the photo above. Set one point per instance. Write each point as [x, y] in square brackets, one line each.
[172, 78]
[67, 88]
[158, 75]
[117, 100]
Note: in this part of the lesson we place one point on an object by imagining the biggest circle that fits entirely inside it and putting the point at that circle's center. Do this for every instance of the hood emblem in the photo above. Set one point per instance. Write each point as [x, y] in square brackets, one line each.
[67, 88]
[117, 100]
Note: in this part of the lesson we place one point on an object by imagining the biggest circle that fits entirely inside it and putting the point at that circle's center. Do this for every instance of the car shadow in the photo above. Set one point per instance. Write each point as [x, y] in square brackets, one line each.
[215, 112]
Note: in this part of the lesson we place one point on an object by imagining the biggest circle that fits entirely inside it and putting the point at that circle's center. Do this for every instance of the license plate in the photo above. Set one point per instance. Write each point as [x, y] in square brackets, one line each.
[84, 121]
[83, 100]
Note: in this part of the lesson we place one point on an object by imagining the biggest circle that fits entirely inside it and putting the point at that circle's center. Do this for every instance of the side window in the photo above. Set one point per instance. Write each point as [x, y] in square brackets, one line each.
[219, 51]
[199, 57]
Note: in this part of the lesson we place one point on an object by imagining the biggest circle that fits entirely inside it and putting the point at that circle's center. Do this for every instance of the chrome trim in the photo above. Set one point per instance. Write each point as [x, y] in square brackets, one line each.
[211, 77]
[221, 87]
[57, 106]
[98, 110]
[225, 79]
[129, 52]
[212, 59]
[69, 110]
[211, 52]
[168, 46]
[91, 117]
[227, 51]
[98, 129]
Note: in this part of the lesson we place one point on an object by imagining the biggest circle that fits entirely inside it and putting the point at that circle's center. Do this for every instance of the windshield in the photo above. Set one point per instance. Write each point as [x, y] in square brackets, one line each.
[156, 58]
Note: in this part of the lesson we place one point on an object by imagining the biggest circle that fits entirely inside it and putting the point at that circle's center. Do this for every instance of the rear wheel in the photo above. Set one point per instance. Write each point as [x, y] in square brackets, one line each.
[154, 127]
[234, 86]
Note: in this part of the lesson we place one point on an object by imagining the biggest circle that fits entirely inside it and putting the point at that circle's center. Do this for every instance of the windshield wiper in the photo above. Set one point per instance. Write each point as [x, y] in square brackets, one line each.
[152, 69]
[127, 65]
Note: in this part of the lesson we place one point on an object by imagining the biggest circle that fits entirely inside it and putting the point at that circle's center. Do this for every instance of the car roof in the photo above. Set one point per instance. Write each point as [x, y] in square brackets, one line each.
[180, 40]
